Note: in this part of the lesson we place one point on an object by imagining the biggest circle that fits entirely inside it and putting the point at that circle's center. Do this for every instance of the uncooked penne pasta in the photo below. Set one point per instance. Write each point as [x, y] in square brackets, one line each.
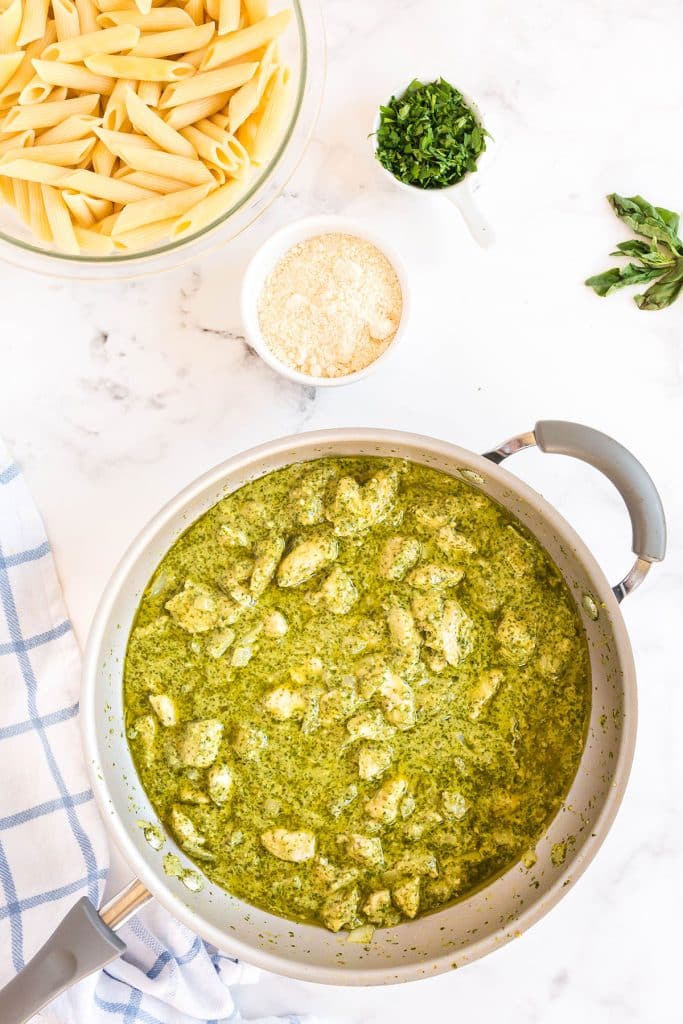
[150, 124]
[10, 24]
[86, 210]
[40, 225]
[33, 21]
[107, 40]
[31, 170]
[210, 209]
[67, 21]
[194, 172]
[225, 48]
[166, 44]
[143, 69]
[163, 19]
[72, 76]
[150, 211]
[153, 182]
[228, 16]
[188, 113]
[62, 154]
[87, 15]
[59, 219]
[104, 188]
[9, 64]
[44, 115]
[75, 127]
[150, 93]
[208, 83]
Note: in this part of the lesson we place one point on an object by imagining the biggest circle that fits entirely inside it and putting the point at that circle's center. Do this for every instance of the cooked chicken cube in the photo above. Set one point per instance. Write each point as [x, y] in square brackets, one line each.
[453, 544]
[428, 608]
[384, 805]
[330, 877]
[144, 732]
[516, 643]
[241, 655]
[338, 592]
[164, 708]
[487, 687]
[283, 703]
[338, 704]
[355, 509]
[340, 909]
[268, 554]
[219, 641]
[378, 908]
[194, 609]
[190, 793]
[399, 702]
[406, 896]
[306, 559]
[399, 555]
[434, 577]
[233, 535]
[373, 761]
[419, 863]
[421, 825]
[372, 671]
[220, 781]
[199, 742]
[455, 633]
[365, 850]
[369, 725]
[275, 625]
[184, 829]
[454, 804]
[249, 741]
[344, 800]
[295, 846]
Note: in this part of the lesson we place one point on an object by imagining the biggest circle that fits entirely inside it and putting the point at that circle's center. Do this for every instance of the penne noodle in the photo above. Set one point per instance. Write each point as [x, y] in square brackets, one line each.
[195, 10]
[31, 170]
[221, 121]
[245, 100]
[75, 127]
[40, 225]
[235, 148]
[34, 92]
[153, 182]
[104, 188]
[22, 199]
[228, 16]
[150, 124]
[115, 116]
[10, 24]
[124, 5]
[102, 41]
[212, 150]
[7, 191]
[166, 44]
[149, 211]
[114, 139]
[144, 6]
[86, 210]
[208, 83]
[87, 15]
[195, 57]
[46, 114]
[167, 164]
[256, 10]
[149, 93]
[188, 113]
[145, 237]
[212, 8]
[9, 64]
[16, 142]
[208, 210]
[61, 154]
[72, 76]
[67, 21]
[60, 221]
[146, 69]
[24, 72]
[261, 133]
[163, 19]
[225, 48]
[92, 242]
[103, 159]
[33, 21]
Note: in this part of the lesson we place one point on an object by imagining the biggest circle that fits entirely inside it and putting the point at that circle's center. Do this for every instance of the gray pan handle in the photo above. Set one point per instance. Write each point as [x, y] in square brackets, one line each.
[621, 467]
[80, 945]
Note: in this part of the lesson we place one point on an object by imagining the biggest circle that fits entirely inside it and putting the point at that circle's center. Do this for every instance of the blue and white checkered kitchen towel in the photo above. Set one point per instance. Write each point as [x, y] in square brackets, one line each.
[52, 843]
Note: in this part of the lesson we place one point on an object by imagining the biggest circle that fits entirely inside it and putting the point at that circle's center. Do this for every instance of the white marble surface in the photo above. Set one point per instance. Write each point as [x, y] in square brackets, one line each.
[113, 397]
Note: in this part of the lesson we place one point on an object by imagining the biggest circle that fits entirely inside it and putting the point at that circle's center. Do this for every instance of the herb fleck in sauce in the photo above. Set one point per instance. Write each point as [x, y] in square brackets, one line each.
[356, 689]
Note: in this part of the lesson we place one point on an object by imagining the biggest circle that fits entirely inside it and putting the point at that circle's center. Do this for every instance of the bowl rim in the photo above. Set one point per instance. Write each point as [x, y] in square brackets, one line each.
[260, 193]
[278, 962]
[264, 259]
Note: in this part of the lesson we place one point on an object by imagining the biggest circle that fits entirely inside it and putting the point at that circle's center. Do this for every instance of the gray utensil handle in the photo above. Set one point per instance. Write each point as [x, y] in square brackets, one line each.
[81, 944]
[633, 482]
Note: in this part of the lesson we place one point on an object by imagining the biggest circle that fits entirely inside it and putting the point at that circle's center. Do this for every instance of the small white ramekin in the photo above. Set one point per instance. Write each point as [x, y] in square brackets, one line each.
[269, 254]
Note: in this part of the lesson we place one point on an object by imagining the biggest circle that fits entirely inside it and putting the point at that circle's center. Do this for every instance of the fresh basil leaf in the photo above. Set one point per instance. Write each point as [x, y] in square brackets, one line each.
[647, 220]
[618, 277]
[650, 255]
[663, 292]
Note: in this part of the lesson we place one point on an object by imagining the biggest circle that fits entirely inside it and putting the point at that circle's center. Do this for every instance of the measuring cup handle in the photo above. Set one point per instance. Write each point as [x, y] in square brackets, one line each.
[479, 228]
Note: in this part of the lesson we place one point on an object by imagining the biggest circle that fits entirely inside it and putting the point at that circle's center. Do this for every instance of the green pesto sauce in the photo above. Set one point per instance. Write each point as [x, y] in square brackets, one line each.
[410, 735]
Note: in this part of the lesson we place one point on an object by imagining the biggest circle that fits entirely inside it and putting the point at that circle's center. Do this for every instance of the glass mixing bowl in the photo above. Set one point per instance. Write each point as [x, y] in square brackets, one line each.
[303, 48]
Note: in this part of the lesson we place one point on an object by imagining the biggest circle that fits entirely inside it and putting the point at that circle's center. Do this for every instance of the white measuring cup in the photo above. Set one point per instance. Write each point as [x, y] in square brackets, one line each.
[459, 194]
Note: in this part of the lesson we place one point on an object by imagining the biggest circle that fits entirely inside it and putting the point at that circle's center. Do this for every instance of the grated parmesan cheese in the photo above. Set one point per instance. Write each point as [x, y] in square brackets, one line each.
[331, 306]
